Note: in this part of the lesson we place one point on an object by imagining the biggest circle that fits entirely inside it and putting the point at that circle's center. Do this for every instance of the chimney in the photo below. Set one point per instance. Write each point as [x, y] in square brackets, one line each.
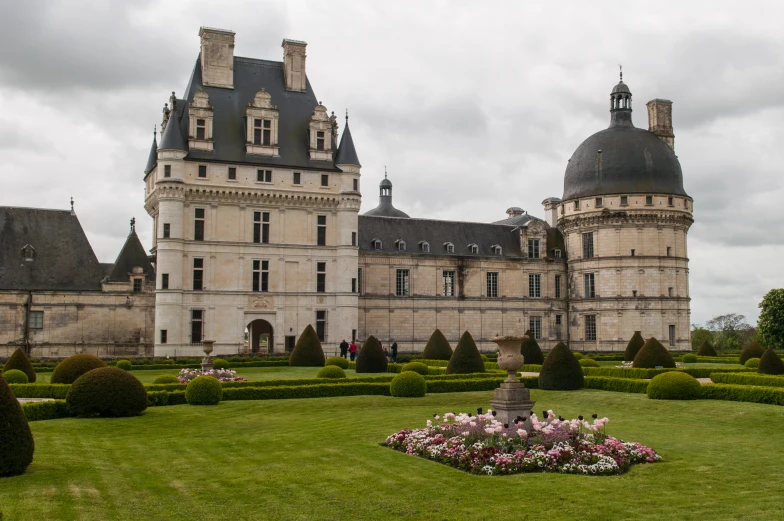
[660, 120]
[551, 210]
[294, 65]
[514, 211]
[217, 58]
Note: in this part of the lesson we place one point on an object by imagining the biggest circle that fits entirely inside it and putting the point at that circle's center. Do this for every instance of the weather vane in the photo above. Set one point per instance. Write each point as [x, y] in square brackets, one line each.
[621, 69]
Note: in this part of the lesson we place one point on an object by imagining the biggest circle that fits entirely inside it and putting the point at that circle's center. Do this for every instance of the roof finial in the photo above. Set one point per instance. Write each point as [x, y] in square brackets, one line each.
[72, 209]
[385, 171]
[154, 130]
[346, 115]
[621, 69]
[133, 224]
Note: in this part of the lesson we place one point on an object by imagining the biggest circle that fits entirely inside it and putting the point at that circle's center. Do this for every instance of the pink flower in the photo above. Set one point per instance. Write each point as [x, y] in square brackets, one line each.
[522, 433]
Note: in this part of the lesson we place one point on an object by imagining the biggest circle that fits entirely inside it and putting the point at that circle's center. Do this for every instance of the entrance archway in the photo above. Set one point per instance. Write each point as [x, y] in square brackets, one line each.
[260, 336]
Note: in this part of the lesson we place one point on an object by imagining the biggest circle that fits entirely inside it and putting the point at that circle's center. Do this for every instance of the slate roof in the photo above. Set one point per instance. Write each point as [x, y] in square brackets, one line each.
[152, 160]
[519, 220]
[63, 260]
[347, 154]
[131, 256]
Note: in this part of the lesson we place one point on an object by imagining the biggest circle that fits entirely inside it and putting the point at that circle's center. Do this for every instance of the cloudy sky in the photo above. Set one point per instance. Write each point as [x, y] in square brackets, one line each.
[472, 108]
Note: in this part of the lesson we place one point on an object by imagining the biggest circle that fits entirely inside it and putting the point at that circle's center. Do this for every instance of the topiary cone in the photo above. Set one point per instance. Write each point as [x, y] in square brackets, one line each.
[16, 439]
[307, 352]
[437, 347]
[770, 363]
[633, 347]
[466, 358]
[561, 371]
[371, 357]
[653, 354]
[706, 349]
[532, 353]
[752, 350]
[19, 360]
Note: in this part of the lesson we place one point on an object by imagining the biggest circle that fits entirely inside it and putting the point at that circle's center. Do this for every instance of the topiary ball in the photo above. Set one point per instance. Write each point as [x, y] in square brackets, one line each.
[633, 347]
[371, 358]
[752, 350]
[19, 360]
[204, 390]
[16, 439]
[408, 384]
[15, 376]
[752, 363]
[589, 362]
[106, 391]
[331, 371]
[561, 371]
[437, 347]
[465, 359]
[529, 348]
[337, 361]
[579, 356]
[166, 379]
[220, 363]
[307, 351]
[674, 385]
[417, 367]
[706, 349]
[652, 355]
[689, 358]
[67, 371]
[770, 363]
[125, 365]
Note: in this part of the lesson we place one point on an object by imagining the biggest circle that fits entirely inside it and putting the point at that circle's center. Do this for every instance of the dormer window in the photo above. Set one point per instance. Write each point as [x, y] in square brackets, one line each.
[496, 249]
[425, 246]
[262, 126]
[321, 136]
[450, 248]
[557, 253]
[262, 132]
[401, 245]
[201, 129]
[28, 253]
[200, 122]
[473, 248]
[377, 244]
[319, 140]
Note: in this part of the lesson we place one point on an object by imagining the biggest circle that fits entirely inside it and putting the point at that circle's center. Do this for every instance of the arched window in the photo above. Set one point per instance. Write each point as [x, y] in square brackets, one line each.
[401, 245]
[425, 246]
[450, 248]
[377, 245]
[497, 249]
[473, 248]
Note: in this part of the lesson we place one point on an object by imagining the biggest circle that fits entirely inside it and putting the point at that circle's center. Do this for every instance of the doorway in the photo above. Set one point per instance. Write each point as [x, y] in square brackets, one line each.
[260, 337]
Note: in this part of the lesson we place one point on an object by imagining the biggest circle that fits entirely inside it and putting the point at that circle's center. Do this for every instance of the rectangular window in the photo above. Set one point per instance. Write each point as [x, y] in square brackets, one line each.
[590, 328]
[648, 200]
[557, 253]
[557, 286]
[261, 227]
[669, 251]
[321, 277]
[558, 327]
[590, 287]
[577, 205]
[588, 245]
[297, 178]
[535, 325]
[321, 325]
[449, 283]
[670, 201]
[260, 280]
[198, 225]
[402, 287]
[624, 200]
[202, 171]
[321, 230]
[359, 280]
[164, 336]
[164, 281]
[201, 129]
[166, 230]
[353, 285]
[264, 176]
[166, 170]
[319, 140]
[197, 325]
[356, 185]
[198, 274]
[598, 202]
[534, 285]
[36, 320]
[137, 285]
[353, 238]
[492, 284]
[669, 292]
[672, 334]
[324, 179]
[634, 252]
[232, 173]
[533, 248]
[262, 132]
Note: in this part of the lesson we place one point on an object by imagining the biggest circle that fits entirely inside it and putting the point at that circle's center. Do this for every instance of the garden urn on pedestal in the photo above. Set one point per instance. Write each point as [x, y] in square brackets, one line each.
[512, 400]
[206, 362]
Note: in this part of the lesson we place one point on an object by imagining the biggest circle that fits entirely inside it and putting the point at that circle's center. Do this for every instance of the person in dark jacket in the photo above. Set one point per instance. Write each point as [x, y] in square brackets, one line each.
[344, 348]
[393, 351]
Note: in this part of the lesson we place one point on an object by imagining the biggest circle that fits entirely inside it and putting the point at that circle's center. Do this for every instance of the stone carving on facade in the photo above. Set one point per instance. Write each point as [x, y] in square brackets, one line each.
[261, 303]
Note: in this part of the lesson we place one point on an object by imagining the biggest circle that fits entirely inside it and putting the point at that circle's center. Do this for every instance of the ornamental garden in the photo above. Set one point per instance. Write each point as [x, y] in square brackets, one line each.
[658, 435]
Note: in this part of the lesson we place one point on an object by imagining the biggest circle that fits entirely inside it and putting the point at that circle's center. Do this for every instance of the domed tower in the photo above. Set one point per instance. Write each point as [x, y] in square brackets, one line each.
[385, 208]
[625, 216]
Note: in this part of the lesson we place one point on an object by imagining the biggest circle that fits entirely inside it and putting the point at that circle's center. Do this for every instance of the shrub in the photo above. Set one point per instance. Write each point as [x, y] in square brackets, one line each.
[15, 376]
[588, 362]
[579, 356]
[674, 385]
[752, 350]
[633, 347]
[166, 379]
[532, 353]
[307, 352]
[743, 393]
[408, 384]
[706, 349]
[622, 385]
[752, 363]
[338, 361]
[67, 371]
[220, 363]
[770, 363]
[561, 371]
[204, 390]
[747, 378]
[125, 365]
[416, 367]
[437, 347]
[371, 357]
[689, 358]
[466, 357]
[19, 360]
[106, 391]
[16, 439]
[48, 410]
[331, 371]
[653, 354]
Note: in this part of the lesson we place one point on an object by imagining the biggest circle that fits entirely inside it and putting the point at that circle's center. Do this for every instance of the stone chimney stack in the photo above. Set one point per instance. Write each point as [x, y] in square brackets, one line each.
[294, 65]
[217, 58]
[551, 210]
[660, 120]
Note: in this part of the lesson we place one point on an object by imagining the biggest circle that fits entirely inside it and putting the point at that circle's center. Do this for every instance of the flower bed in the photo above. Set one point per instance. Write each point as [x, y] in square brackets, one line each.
[481, 445]
[223, 375]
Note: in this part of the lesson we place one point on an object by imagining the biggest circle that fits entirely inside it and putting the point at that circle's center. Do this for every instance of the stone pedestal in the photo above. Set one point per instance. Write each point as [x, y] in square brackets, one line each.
[513, 400]
[206, 362]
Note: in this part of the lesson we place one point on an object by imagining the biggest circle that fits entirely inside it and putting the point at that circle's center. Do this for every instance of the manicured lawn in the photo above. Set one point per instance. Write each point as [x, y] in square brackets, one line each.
[320, 459]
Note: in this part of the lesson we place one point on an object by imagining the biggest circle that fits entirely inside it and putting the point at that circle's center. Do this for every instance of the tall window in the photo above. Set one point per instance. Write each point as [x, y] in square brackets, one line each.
[669, 291]
[672, 334]
[319, 140]
[321, 277]
[356, 185]
[164, 281]
[648, 200]
[260, 280]
[264, 176]
[197, 325]
[670, 201]
[198, 274]
[588, 245]
[36, 320]
[164, 336]
[492, 284]
[201, 129]
[202, 171]
[137, 285]
[535, 286]
[232, 173]
[359, 280]
[353, 238]
[166, 170]
[533, 248]
[261, 227]
[198, 225]
[321, 230]
[321, 325]
[535, 325]
[324, 179]
[449, 283]
[557, 286]
[353, 285]
[558, 327]
[262, 132]
[590, 327]
[402, 283]
[297, 178]
[166, 230]
[590, 286]
[669, 251]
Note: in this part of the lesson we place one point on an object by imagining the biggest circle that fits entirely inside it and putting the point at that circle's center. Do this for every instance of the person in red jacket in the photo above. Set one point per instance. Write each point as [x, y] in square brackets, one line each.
[352, 350]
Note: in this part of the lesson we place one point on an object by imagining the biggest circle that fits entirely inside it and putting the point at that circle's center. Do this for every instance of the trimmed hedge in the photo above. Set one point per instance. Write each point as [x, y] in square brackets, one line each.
[166, 379]
[371, 358]
[752, 363]
[15, 376]
[331, 371]
[752, 350]
[307, 351]
[220, 363]
[338, 361]
[529, 348]
[623, 385]
[652, 355]
[56, 391]
[588, 362]
[706, 349]
[674, 385]
[417, 367]
[633, 347]
[624, 372]
[160, 398]
[106, 391]
[18, 360]
[743, 393]
[204, 390]
[689, 359]
[50, 410]
[466, 358]
[561, 371]
[437, 347]
[762, 380]
[16, 439]
[770, 363]
[125, 365]
[67, 371]
[408, 384]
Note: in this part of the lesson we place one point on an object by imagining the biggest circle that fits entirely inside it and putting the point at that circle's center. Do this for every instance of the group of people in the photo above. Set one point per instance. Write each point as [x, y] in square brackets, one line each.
[350, 350]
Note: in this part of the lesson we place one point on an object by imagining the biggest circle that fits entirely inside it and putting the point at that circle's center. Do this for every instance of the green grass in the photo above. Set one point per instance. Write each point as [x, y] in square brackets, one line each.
[320, 459]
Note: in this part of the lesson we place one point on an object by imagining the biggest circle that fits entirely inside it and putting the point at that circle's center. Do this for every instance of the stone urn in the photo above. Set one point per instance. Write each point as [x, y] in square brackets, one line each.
[510, 359]
[512, 401]
[206, 362]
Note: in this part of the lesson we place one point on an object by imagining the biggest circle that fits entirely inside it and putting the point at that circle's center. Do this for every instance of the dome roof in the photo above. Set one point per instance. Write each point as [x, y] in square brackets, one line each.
[621, 87]
[385, 209]
[385, 183]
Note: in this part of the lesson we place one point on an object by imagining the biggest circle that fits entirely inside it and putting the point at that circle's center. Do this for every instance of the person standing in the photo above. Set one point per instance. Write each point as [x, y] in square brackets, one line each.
[352, 349]
[393, 350]
[343, 348]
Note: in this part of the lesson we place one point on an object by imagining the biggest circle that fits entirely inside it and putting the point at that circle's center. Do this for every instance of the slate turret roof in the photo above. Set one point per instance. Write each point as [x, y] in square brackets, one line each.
[347, 154]
[132, 255]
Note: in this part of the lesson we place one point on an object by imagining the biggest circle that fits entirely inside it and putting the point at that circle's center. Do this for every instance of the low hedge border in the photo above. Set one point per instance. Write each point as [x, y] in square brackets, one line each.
[622, 385]
[743, 393]
[56, 391]
[762, 380]
[157, 367]
[52, 410]
[630, 372]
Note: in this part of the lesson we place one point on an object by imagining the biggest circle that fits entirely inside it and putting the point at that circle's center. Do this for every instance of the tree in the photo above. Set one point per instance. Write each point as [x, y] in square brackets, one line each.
[730, 331]
[700, 335]
[770, 325]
